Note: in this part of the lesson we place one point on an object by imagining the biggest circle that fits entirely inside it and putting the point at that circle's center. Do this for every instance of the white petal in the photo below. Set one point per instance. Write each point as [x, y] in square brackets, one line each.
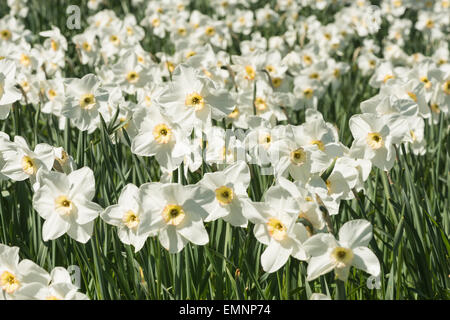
[366, 260]
[86, 210]
[318, 266]
[54, 227]
[356, 233]
[171, 240]
[275, 256]
[81, 233]
[318, 244]
[82, 182]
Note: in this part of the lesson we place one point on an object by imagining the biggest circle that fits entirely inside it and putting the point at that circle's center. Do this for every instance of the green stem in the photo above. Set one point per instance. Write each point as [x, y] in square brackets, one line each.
[340, 285]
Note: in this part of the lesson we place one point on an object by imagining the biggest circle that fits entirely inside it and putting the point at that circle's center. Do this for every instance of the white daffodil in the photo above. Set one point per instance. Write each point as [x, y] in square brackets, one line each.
[87, 47]
[127, 215]
[21, 163]
[309, 209]
[19, 280]
[130, 74]
[329, 254]
[383, 73]
[83, 98]
[64, 201]
[230, 188]
[55, 97]
[276, 226]
[192, 99]
[374, 139]
[159, 136]
[55, 40]
[175, 212]
[59, 287]
[8, 92]
[299, 156]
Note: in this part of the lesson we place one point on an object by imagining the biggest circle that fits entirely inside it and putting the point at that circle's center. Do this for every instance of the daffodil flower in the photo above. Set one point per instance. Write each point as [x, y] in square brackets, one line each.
[83, 98]
[193, 99]
[8, 93]
[21, 163]
[175, 212]
[127, 215]
[230, 189]
[159, 136]
[276, 227]
[329, 254]
[19, 280]
[65, 202]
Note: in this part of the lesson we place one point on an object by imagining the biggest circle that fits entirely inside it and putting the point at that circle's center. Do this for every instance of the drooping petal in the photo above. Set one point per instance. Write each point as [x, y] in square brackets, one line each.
[275, 256]
[54, 227]
[366, 260]
[318, 266]
[171, 240]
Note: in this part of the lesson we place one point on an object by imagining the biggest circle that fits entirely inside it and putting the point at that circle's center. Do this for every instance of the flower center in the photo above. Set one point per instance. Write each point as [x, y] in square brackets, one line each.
[195, 100]
[276, 82]
[446, 87]
[260, 104]
[54, 44]
[25, 60]
[173, 214]
[162, 133]
[87, 101]
[9, 282]
[342, 257]
[86, 46]
[319, 144]
[130, 219]
[375, 140]
[224, 195]
[156, 22]
[307, 59]
[277, 229]
[210, 31]
[413, 96]
[28, 165]
[190, 54]
[5, 34]
[234, 114]
[308, 93]
[51, 94]
[250, 73]
[314, 75]
[114, 39]
[270, 68]
[427, 82]
[170, 66]
[64, 206]
[265, 139]
[387, 77]
[298, 156]
[435, 108]
[132, 77]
